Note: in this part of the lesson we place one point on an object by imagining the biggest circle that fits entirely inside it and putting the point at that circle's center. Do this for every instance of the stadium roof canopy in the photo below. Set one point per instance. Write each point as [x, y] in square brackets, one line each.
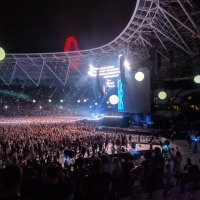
[170, 28]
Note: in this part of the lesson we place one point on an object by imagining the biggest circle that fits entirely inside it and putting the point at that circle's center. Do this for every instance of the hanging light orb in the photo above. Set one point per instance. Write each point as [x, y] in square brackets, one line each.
[197, 79]
[139, 76]
[113, 99]
[2, 54]
[162, 95]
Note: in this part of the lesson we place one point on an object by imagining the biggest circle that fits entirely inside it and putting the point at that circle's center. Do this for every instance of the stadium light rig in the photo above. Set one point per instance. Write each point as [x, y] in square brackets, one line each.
[127, 64]
[110, 71]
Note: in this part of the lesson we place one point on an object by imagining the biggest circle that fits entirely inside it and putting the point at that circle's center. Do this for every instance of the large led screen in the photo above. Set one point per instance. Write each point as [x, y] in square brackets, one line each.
[136, 94]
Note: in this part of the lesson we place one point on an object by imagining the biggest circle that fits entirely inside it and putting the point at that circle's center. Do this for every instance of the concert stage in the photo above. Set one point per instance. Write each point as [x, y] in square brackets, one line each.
[120, 124]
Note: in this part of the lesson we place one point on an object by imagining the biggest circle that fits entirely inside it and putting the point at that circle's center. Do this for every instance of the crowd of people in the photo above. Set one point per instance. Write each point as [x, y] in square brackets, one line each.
[69, 160]
[43, 101]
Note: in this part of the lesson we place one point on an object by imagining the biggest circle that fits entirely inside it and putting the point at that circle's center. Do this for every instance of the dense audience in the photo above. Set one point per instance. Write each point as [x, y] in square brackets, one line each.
[44, 159]
[67, 160]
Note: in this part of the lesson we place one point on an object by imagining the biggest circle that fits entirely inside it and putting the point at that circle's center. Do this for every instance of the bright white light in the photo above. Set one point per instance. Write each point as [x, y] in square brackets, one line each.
[100, 68]
[111, 76]
[162, 95]
[61, 107]
[96, 103]
[61, 100]
[103, 73]
[78, 101]
[127, 64]
[114, 116]
[110, 70]
[139, 76]
[109, 73]
[110, 82]
[120, 55]
[49, 100]
[90, 106]
[91, 74]
[113, 99]
[197, 79]
[6, 107]
[33, 101]
[104, 70]
[2, 54]
[111, 85]
[40, 107]
[85, 100]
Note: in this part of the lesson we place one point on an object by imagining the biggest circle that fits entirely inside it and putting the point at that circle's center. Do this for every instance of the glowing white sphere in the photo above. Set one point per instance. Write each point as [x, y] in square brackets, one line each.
[197, 79]
[139, 76]
[113, 99]
[162, 95]
[2, 54]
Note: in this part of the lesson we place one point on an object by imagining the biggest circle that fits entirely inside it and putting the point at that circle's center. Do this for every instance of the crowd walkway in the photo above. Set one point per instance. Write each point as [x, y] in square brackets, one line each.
[187, 152]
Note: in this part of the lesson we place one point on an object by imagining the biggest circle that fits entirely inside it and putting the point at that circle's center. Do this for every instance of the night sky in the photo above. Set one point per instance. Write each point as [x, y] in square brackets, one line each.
[34, 26]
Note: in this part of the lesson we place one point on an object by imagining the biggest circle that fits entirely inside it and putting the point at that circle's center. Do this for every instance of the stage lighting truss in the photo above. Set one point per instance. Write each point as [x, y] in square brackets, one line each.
[110, 83]
[105, 72]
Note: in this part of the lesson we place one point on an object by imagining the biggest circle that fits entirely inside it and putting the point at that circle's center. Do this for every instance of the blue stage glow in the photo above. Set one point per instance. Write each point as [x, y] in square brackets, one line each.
[120, 96]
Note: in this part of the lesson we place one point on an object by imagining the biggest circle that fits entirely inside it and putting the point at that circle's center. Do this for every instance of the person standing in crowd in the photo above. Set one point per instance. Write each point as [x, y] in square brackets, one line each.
[188, 164]
[54, 185]
[11, 180]
[78, 176]
[146, 163]
[98, 184]
[189, 139]
[156, 172]
[126, 167]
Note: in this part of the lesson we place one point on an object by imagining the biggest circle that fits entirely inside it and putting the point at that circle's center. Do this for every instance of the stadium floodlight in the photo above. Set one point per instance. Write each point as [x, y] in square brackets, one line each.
[33, 101]
[61, 100]
[49, 100]
[79, 101]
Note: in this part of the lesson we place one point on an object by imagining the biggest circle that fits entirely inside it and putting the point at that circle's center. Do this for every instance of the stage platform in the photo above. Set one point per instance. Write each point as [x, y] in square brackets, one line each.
[137, 130]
